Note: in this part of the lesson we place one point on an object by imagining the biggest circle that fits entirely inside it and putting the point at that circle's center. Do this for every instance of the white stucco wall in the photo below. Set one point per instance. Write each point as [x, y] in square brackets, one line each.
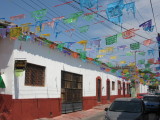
[7, 64]
[54, 61]
[143, 88]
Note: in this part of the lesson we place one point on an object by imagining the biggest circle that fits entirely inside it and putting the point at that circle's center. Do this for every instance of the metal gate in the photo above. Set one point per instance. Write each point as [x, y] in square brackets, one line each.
[71, 92]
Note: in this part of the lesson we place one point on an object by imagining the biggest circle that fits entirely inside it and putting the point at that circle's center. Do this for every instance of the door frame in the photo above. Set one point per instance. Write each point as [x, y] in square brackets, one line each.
[108, 89]
[124, 89]
[100, 96]
[119, 88]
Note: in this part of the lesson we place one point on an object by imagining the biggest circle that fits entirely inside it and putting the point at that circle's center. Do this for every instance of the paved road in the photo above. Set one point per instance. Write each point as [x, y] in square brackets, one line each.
[100, 116]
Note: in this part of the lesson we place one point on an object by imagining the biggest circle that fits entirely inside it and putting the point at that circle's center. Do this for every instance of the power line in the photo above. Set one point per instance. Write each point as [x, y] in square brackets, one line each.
[54, 13]
[109, 21]
[153, 16]
[46, 16]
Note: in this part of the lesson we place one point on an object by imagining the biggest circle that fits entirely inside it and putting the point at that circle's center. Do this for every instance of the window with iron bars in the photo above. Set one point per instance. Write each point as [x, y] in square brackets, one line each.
[34, 75]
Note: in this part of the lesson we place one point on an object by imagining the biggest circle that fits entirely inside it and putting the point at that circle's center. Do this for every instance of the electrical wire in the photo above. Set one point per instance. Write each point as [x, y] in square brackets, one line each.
[109, 21]
[153, 16]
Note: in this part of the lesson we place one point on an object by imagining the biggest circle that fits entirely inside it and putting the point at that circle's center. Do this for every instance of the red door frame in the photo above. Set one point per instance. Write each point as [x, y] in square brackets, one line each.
[108, 90]
[119, 88]
[99, 78]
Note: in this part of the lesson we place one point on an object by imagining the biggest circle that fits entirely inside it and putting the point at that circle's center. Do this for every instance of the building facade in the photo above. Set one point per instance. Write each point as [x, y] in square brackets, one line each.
[43, 82]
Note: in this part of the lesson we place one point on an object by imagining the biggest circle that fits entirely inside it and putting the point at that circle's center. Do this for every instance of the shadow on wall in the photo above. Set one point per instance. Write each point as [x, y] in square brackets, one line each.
[55, 55]
[6, 51]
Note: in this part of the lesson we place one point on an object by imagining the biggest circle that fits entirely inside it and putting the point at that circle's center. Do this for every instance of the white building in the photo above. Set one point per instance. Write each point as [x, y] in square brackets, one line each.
[51, 82]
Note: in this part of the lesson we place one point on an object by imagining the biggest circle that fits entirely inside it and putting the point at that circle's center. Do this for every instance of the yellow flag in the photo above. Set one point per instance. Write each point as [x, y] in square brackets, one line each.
[99, 56]
[125, 71]
[102, 51]
[122, 62]
[38, 29]
[113, 57]
[142, 74]
[132, 64]
[46, 35]
[25, 27]
[83, 42]
[141, 80]
[109, 49]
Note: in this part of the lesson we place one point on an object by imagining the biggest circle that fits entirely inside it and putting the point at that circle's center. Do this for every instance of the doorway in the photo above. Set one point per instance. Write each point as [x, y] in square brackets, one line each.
[98, 92]
[71, 92]
[119, 87]
[124, 89]
[108, 89]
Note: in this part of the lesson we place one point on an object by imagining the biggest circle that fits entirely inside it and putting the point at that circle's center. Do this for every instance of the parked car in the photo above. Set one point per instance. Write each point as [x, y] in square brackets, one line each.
[141, 95]
[126, 109]
[152, 102]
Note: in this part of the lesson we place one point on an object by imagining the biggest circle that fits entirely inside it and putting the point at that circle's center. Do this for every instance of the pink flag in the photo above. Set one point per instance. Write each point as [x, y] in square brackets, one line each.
[148, 42]
[21, 16]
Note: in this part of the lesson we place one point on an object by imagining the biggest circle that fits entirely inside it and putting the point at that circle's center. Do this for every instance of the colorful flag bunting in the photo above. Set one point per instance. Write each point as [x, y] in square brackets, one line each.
[26, 27]
[122, 62]
[21, 16]
[151, 61]
[147, 26]
[129, 33]
[151, 52]
[135, 46]
[39, 14]
[69, 44]
[148, 42]
[113, 57]
[114, 11]
[129, 54]
[142, 53]
[15, 32]
[89, 16]
[110, 40]
[130, 7]
[109, 49]
[100, 56]
[83, 29]
[141, 61]
[88, 3]
[122, 47]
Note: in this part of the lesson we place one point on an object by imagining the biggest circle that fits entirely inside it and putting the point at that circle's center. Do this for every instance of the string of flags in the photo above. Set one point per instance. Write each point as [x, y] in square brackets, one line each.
[115, 15]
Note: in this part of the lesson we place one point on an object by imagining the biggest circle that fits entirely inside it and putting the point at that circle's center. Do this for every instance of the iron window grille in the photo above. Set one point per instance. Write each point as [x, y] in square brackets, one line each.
[34, 75]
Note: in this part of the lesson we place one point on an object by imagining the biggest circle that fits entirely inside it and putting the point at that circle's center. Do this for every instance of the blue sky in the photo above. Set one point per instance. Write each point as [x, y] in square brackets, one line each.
[10, 8]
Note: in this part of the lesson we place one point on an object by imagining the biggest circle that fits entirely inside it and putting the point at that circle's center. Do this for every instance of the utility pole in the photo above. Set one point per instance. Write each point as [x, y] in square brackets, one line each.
[135, 87]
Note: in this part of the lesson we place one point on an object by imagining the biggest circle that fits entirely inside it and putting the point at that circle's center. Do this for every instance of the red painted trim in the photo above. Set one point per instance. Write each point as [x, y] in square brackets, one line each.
[91, 101]
[29, 109]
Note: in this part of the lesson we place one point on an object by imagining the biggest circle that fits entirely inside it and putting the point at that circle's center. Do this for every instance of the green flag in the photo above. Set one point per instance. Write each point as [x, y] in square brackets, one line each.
[135, 46]
[2, 85]
[141, 61]
[110, 40]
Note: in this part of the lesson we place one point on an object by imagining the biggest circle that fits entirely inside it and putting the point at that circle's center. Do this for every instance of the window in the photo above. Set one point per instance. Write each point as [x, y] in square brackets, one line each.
[34, 75]
[113, 85]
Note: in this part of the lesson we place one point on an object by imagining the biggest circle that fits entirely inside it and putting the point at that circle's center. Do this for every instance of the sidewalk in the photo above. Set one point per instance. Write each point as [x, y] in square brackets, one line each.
[79, 115]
